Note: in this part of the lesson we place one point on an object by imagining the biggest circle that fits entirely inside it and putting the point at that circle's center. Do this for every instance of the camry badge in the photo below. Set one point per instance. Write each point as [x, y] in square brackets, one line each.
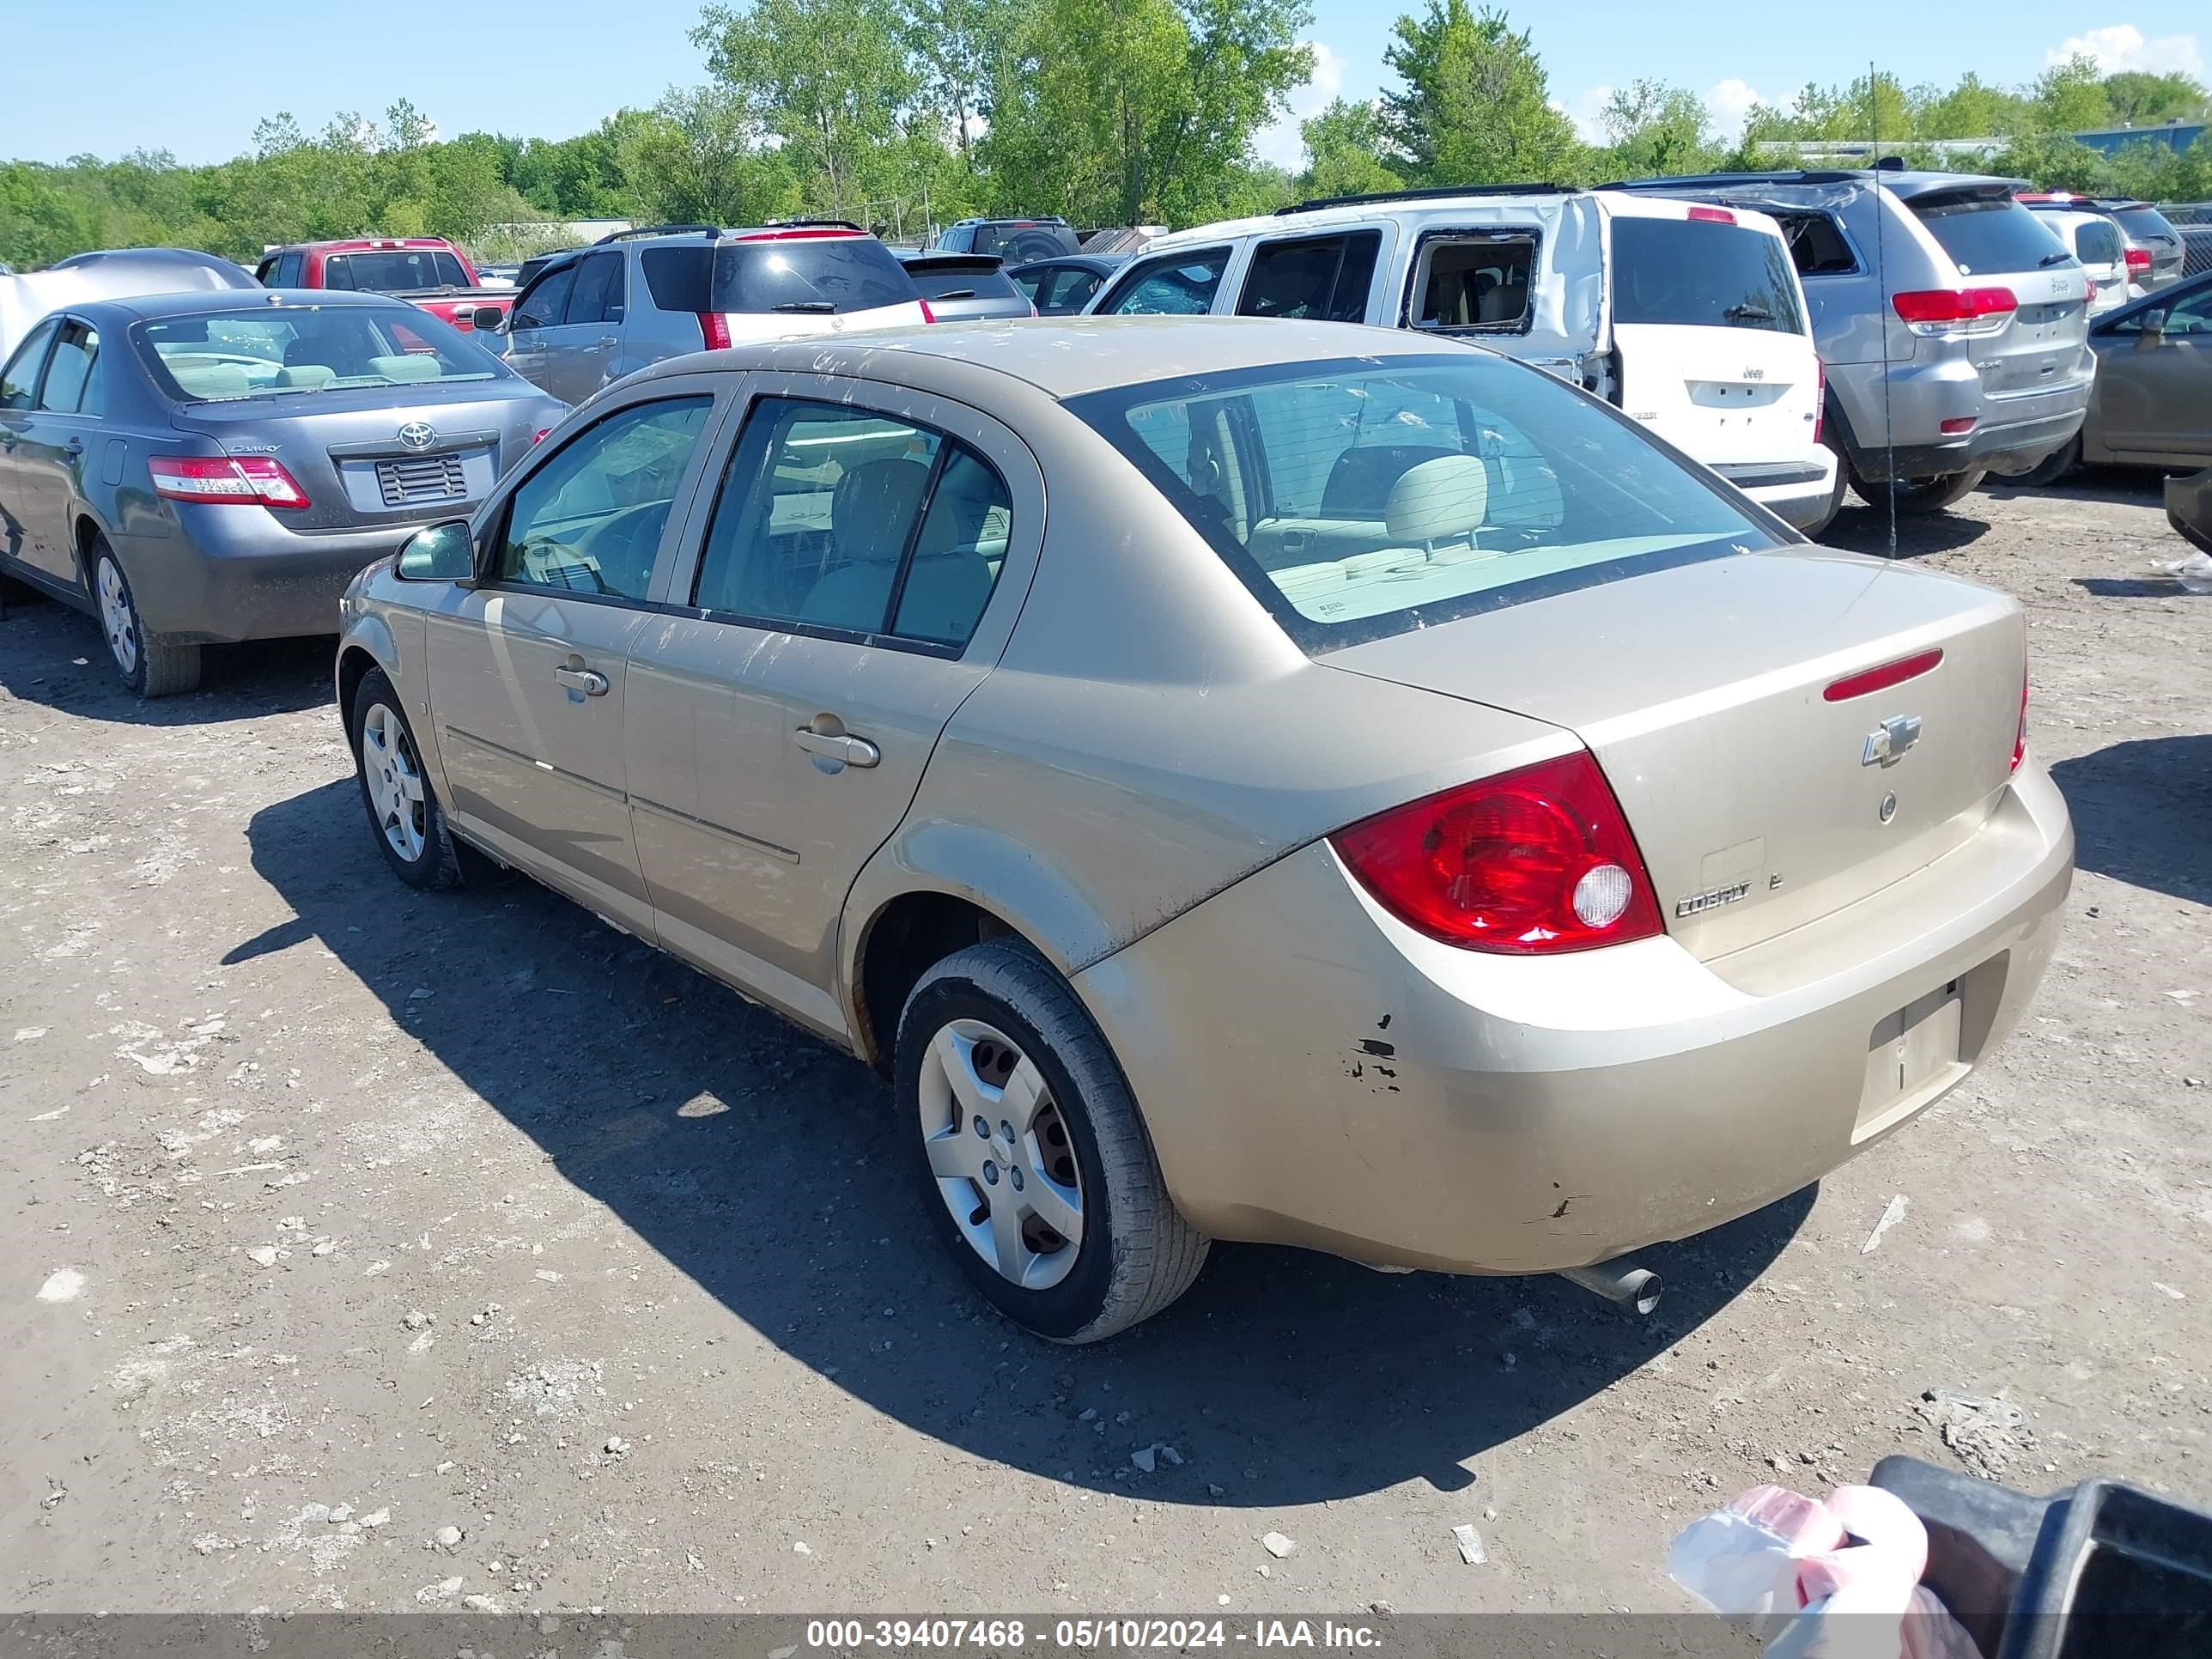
[1886, 744]
[418, 435]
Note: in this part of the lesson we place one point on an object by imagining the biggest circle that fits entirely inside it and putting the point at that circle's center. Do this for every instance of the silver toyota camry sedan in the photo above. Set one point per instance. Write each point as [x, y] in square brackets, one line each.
[1239, 780]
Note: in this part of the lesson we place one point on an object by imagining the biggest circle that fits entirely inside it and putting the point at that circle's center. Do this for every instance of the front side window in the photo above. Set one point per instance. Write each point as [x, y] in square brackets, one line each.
[856, 524]
[19, 382]
[1173, 285]
[295, 351]
[1317, 278]
[1474, 280]
[589, 520]
[542, 307]
[1699, 273]
[1358, 499]
[69, 377]
[1071, 290]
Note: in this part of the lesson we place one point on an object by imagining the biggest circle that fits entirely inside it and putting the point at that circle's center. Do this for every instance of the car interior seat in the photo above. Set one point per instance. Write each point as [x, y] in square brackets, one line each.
[871, 510]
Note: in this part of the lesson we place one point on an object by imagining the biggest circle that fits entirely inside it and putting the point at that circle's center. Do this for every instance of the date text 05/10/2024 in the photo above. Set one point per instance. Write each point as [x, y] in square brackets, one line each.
[1084, 1635]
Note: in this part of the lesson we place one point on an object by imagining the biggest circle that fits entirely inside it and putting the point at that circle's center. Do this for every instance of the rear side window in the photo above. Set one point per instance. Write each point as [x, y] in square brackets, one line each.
[1989, 233]
[598, 294]
[1699, 274]
[70, 385]
[1473, 280]
[1173, 285]
[828, 276]
[2097, 245]
[1817, 244]
[1316, 279]
[542, 306]
[968, 282]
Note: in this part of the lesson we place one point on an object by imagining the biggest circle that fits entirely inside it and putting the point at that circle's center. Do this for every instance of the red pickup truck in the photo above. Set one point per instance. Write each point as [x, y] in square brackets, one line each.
[426, 270]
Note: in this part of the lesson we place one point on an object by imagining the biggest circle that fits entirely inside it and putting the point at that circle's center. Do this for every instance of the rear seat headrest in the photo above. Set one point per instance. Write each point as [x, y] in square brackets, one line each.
[1439, 500]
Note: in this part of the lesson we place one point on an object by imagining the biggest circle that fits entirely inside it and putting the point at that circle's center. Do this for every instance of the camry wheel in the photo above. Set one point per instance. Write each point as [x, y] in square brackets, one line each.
[403, 808]
[151, 666]
[1036, 1169]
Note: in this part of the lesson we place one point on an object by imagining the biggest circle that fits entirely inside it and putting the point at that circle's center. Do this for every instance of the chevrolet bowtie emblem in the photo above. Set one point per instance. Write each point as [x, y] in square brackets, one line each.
[1886, 744]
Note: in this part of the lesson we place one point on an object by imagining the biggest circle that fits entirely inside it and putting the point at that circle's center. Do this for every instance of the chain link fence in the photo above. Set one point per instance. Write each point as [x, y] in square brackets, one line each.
[2194, 221]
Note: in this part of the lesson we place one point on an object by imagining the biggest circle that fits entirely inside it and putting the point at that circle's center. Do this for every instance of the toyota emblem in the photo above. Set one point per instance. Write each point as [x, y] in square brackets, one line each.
[418, 435]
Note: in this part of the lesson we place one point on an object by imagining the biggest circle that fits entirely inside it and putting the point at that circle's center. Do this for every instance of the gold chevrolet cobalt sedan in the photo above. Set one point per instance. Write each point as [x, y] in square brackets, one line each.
[1239, 779]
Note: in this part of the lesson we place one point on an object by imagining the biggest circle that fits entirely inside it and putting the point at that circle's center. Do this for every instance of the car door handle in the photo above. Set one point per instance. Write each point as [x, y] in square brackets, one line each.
[607, 343]
[853, 751]
[75, 446]
[589, 681]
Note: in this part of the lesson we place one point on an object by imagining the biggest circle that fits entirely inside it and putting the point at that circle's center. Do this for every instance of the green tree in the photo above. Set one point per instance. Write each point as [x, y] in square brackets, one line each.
[1972, 110]
[959, 46]
[696, 159]
[1347, 152]
[1131, 112]
[1651, 128]
[2071, 97]
[2141, 100]
[1475, 108]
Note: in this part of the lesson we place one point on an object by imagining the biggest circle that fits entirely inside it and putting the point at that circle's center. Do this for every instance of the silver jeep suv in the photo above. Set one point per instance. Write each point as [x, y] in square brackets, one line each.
[1953, 325]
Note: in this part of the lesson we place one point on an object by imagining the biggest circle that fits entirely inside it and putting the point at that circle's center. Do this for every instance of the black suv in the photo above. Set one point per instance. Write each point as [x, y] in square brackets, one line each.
[1016, 241]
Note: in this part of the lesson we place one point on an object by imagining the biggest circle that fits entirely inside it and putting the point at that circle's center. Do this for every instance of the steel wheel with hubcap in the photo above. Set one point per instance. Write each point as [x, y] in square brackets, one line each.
[403, 808]
[150, 666]
[1040, 1175]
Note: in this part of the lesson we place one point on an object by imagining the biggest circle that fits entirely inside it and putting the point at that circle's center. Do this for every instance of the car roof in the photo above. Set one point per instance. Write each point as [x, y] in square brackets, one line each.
[1068, 356]
[364, 245]
[1101, 264]
[147, 307]
[1903, 183]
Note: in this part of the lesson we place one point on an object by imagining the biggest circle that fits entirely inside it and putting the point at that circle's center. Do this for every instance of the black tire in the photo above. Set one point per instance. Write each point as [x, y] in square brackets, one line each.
[150, 665]
[1137, 1253]
[1926, 496]
[2052, 467]
[436, 863]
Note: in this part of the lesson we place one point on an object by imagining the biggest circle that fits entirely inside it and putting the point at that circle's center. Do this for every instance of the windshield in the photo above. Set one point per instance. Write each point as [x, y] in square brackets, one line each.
[1986, 233]
[1362, 498]
[268, 350]
[397, 271]
[1702, 274]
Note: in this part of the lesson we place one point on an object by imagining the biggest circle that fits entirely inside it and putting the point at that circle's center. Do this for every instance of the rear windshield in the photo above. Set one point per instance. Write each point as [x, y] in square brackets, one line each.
[2144, 223]
[1989, 233]
[1360, 498]
[299, 350]
[1015, 243]
[394, 270]
[827, 275]
[965, 282]
[1699, 274]
[2097, 244]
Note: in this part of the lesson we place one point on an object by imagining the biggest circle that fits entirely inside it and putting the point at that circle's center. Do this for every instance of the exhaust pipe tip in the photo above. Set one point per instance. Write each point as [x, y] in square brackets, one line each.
[1621, 1282]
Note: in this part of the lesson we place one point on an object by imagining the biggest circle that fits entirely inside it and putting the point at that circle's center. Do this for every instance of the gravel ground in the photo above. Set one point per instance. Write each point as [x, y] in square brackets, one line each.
[338, 1216]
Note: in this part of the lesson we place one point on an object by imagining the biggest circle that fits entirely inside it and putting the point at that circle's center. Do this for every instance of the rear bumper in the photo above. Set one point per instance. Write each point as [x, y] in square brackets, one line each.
[2012, 431]
[1796, 492]
[235, 573]
[1313, 1073]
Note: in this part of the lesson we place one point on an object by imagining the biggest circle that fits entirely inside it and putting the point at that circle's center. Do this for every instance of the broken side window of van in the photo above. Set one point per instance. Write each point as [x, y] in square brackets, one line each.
[1468, 279]
[1817, 246]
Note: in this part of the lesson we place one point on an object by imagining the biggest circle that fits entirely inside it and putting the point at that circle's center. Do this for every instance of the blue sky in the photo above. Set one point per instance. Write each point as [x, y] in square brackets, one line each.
[164, 82]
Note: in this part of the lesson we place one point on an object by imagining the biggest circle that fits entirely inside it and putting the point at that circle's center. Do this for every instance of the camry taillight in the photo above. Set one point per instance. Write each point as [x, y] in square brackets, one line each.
[714, 330]
[1531, 862]
[252, 480]
[2020, 738]
[1955, 309]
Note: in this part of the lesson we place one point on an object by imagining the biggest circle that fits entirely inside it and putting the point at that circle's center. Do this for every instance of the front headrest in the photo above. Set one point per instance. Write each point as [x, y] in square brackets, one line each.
[872, 508]
[1439, 500]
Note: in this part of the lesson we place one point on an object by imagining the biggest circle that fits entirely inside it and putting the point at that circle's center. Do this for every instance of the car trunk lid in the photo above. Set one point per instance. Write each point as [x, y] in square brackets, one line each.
[1760, 800]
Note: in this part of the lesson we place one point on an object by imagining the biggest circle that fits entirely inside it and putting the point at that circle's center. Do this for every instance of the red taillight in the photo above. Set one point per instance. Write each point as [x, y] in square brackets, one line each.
[1871, 680]
[714, 330]
[1819, 398]
[1939, 309]
[1711, 215]
[540, 435]
[252, 480]
[2138, 259]
[1957, 425]
[2020, 739]
[928, 315]
[1530, 863]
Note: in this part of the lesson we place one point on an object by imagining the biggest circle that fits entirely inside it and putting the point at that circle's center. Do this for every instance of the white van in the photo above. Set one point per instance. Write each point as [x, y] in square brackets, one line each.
[1688, 317]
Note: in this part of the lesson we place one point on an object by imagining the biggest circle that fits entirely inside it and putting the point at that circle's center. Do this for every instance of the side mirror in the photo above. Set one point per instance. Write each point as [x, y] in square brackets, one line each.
[439, 553]
[2153, 327]
[488, 319]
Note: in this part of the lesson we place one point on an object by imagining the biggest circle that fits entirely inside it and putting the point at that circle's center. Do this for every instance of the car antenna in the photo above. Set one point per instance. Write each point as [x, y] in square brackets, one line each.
[1881, 281]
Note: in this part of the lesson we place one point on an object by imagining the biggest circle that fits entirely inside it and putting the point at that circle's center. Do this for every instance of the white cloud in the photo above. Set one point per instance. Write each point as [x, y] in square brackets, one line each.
[1278, 140]
[1727, 105]
[2121, 46]
[1586, 110]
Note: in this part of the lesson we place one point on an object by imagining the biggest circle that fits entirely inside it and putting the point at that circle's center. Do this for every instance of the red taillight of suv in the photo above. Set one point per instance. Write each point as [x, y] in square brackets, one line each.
[1955, 309]
[2138, 260]
[714, 330]
[928, 315]
[1533, 862]
[2020, 739]
[250, 480]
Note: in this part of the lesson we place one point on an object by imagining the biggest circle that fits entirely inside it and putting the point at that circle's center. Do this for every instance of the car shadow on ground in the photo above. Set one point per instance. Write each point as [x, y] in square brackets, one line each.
[1860, 529]
[2128, 485]
[53, 653]
[2141, 811]
[768, 1167]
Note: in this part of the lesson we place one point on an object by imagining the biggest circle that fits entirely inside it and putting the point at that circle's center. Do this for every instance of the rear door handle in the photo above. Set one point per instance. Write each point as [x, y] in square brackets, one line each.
[589, 681]
[75, 446]
[608, 344]
[853, 751]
